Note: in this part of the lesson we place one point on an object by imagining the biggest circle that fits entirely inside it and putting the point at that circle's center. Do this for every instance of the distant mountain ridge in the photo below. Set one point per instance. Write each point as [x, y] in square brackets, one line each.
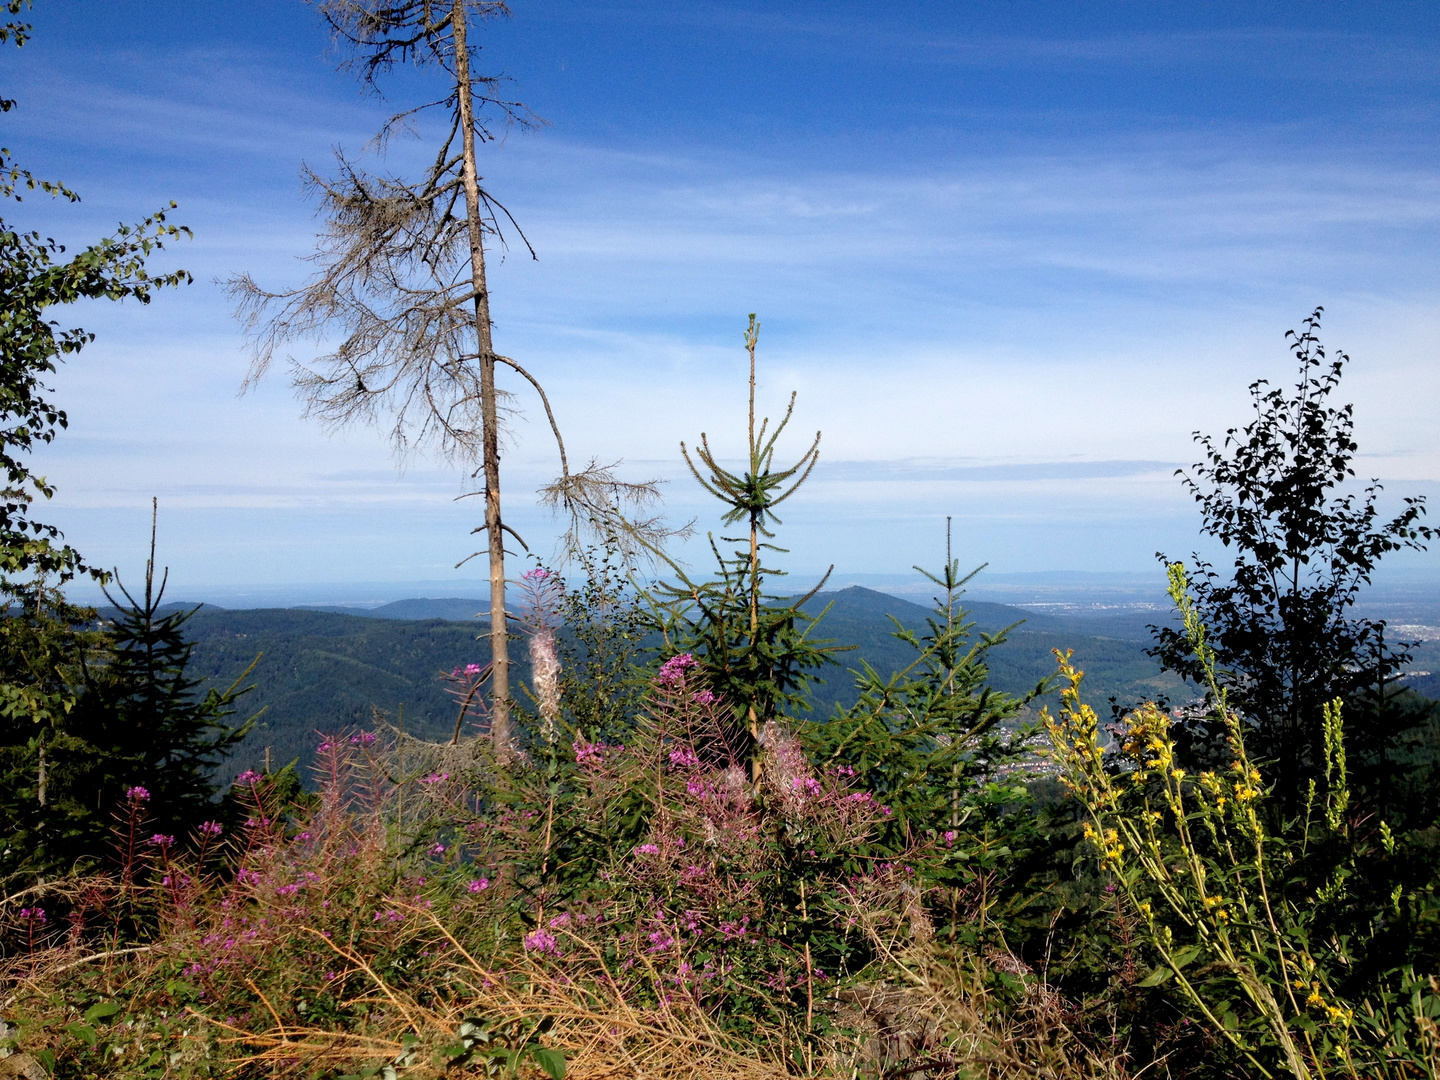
[322, 670]
[453, 608]
[854, 601]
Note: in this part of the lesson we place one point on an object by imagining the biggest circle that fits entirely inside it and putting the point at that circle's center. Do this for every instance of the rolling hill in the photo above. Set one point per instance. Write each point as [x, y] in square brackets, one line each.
[322, 670]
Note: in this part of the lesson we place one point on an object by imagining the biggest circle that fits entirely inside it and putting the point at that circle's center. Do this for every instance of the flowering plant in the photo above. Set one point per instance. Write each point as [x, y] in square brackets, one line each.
[1215, 886]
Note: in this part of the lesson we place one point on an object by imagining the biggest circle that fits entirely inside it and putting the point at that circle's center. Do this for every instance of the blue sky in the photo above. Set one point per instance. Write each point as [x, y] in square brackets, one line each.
[1010, 256]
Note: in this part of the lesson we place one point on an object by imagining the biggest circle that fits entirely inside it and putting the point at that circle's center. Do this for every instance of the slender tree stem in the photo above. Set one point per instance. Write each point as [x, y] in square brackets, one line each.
[490, 443]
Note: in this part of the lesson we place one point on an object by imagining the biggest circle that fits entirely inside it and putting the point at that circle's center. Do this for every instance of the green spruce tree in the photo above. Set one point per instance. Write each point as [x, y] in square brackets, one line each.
[753, 646]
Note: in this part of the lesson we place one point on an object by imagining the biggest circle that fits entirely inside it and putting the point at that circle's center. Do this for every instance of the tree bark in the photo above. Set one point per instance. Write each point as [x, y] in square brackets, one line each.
[490, 444]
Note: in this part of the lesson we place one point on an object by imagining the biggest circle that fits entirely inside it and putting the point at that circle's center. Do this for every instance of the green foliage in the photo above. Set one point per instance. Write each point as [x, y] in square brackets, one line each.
[121, 710]
[1258, 928]
[604, 647]
[1285, 643]
[927, 738]
[147, 718]
[754, 647]
[46, 812]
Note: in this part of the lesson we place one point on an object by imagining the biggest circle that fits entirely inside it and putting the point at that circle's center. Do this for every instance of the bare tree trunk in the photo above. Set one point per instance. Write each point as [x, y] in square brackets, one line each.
[490, 449]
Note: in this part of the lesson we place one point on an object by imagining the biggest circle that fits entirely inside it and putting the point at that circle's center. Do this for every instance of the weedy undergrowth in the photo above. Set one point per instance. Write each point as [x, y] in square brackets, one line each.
[1229, 895]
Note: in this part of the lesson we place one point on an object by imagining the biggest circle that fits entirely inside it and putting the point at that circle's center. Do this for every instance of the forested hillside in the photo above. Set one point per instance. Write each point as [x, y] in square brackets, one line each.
[324, 670]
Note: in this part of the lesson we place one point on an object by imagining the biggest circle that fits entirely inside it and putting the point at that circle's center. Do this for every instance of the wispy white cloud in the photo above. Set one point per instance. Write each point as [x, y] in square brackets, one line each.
[1024, 340]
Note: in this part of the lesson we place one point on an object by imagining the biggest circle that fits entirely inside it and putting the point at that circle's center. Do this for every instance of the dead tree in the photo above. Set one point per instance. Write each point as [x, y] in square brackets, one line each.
[400, 281]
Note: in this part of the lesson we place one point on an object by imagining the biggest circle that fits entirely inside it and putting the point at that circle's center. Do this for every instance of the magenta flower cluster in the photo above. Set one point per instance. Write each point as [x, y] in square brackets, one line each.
[673, 670]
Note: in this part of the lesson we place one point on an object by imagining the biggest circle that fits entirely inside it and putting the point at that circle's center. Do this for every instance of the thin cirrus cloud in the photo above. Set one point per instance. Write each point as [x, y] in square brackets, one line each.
[1014, 329]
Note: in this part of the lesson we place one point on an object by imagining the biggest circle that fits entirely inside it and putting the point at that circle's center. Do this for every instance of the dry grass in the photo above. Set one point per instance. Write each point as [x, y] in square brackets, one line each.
[933, 1021]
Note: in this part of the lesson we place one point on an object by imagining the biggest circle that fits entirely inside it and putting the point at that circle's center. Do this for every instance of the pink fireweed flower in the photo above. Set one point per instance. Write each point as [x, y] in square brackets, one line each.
[365, 738]
[137, 794]
[538, 574]
[209, 828]
[435, 778]
[542, 941]
[161, 840]
[249, 778]
[703, 697]
[478, 885]
[684, 758]
[35, 915]
[673, 670]
[438, 849]
[647, 849]
[949, 837]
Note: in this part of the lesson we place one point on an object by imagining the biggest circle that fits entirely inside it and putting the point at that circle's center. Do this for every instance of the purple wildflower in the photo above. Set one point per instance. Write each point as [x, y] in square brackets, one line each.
[137, 794]
[673, 670]
[684, 758]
